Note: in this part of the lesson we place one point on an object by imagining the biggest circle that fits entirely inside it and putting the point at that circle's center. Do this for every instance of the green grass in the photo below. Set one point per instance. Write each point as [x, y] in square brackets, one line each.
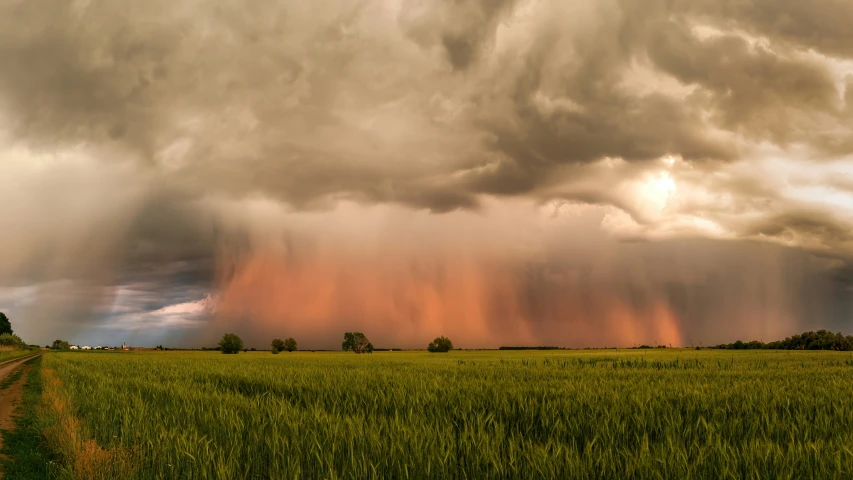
[24, 443]
[6, 355]
[566, 414]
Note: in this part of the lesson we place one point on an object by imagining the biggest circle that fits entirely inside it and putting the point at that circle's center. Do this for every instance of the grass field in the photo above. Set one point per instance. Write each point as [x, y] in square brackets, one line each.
[554, 414]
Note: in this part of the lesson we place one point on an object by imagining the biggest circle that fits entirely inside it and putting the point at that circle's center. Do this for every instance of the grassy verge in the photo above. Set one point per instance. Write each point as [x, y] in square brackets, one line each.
[70, 442]
[12, 354]
[26, 457]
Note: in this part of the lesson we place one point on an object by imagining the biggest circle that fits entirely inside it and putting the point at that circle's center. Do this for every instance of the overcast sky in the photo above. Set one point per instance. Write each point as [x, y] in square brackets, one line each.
[561, 172]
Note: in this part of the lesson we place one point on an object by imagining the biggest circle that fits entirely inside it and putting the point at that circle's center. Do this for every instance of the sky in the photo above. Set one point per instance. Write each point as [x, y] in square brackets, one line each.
[502, 172]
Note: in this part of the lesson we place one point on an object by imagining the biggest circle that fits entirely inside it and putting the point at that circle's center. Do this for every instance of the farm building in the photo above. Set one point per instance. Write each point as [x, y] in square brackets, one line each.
[74, 347]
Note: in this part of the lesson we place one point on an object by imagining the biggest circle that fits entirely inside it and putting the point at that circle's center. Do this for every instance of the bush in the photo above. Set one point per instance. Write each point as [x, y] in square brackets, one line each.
[11, 340]
[277, 345]
[440, 344]
[290, 344]
[60, 345]
[230, 343]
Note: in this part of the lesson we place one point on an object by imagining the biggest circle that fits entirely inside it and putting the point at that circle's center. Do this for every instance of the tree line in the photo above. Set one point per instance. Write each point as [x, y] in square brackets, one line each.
[355, 342]
[530, 348]
[819, 340]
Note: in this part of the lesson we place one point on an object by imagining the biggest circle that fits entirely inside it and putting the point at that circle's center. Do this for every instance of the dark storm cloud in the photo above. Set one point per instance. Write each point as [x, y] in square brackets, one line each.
[171, 234]
[587, 113]
[135, 136]
[75, 75]
[244, 98]
[752, 88]
[463, 29]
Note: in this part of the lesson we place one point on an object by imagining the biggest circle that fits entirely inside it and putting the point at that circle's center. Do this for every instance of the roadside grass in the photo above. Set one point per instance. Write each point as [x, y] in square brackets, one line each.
[12, 354]
[69, 440]
[25, 457]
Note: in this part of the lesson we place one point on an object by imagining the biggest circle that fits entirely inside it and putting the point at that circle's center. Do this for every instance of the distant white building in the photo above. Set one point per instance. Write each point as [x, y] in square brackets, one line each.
[75, 347]
[86, 348]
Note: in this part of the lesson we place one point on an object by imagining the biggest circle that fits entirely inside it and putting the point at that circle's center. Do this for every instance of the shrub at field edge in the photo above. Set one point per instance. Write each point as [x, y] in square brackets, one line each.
[231, 343]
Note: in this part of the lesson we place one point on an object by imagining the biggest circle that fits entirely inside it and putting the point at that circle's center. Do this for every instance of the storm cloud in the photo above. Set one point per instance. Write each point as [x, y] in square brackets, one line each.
[162, 164]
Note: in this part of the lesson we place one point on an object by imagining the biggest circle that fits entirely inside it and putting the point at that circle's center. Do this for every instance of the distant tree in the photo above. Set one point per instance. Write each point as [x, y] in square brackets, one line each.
[290, 344]
[440, 344]
[356, 342]
[60, 345]
[277, 345]
[230, 343]
[5, 324]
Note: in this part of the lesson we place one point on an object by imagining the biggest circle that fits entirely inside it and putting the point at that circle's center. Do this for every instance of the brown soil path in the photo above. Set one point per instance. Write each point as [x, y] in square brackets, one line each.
[11, 395]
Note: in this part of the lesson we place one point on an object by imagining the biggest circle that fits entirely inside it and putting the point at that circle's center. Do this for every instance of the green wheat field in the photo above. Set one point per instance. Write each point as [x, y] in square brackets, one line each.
[485, 414]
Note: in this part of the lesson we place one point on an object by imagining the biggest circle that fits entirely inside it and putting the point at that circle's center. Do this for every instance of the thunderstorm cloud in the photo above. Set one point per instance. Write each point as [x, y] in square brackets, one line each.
[579, 173]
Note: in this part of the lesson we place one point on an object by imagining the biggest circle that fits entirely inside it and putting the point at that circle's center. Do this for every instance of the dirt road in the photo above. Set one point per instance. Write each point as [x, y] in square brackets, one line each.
[11, 395]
